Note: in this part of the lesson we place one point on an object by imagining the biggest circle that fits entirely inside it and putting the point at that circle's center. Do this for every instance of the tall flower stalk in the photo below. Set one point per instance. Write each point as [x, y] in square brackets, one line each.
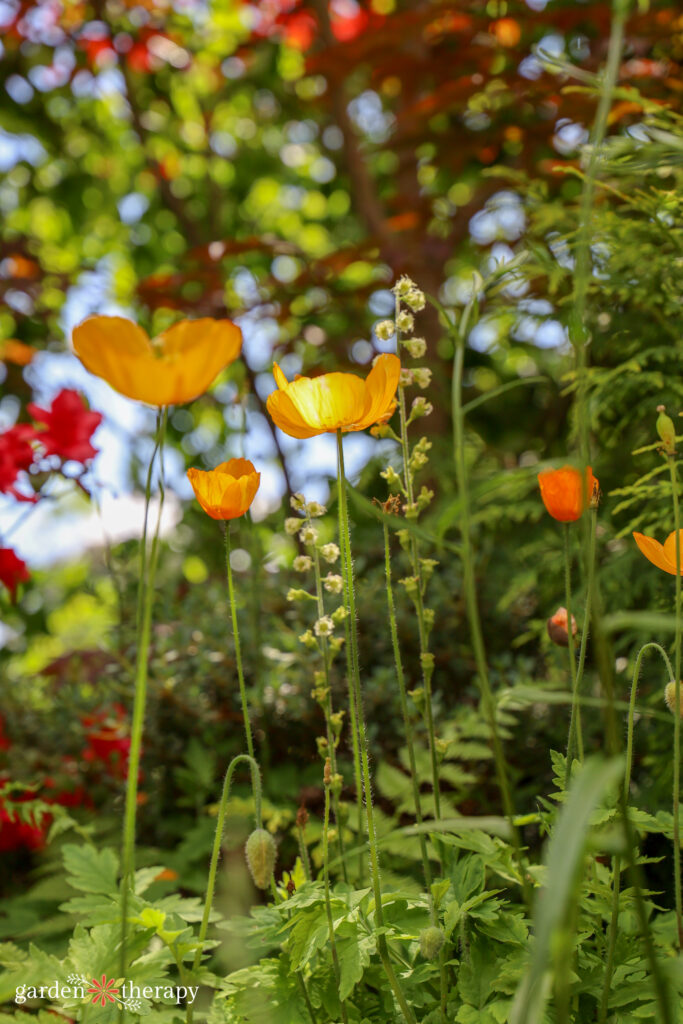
[350, 599]
[671, 458]
[328, 782]
[238, 647]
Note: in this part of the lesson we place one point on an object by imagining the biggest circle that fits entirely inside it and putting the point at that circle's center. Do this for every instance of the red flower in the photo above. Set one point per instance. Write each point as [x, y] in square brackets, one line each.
[13, 571]
[16, 455]
[108, 741]
[15, 833]
[69, 426]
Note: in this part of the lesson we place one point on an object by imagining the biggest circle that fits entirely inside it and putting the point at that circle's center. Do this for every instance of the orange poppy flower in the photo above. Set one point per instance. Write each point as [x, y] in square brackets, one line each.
[334, 401]
[177, 366]
[661, 555]
[227, 491]
[13, 351]
[563, 494]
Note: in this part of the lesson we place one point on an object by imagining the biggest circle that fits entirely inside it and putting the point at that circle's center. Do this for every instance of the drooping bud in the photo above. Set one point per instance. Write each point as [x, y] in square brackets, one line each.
[261, 852]
[431, 942]
[666, 430]
[557, 628]
[670, 698]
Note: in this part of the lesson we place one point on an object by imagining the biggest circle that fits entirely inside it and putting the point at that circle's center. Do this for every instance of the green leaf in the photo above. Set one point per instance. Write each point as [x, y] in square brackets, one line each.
[91, 870]
[353, 952]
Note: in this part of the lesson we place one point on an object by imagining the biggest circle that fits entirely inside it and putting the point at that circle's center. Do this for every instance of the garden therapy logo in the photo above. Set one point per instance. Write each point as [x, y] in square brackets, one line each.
[104, 991]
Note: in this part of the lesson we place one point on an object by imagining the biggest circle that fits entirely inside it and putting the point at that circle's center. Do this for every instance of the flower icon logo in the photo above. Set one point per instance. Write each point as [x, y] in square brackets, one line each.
[104, 992]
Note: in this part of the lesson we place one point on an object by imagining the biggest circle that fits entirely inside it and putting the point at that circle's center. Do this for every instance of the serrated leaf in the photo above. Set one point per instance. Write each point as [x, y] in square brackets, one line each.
[91, 870]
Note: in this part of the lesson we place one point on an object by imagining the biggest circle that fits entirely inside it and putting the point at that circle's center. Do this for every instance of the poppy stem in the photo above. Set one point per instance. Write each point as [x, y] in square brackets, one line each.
[215, 853]
[616, 881]
[238, 649]
[350, 598]
[328, 903]
[575, 731]
[148, 567]
[469, 584]
[677, 709]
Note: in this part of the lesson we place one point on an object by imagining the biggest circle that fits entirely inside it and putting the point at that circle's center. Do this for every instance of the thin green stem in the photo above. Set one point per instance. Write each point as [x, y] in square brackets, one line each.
[407, 724]
[144, 632]
[216, 851]
[586, 626]
[575, 721]
[238, 649]
[345, 540]
[353, 716]
[307, 1000]
[677, 710]
[469, 584]
[303, 852]
[616, 882]
[327, 706]
[328, 902]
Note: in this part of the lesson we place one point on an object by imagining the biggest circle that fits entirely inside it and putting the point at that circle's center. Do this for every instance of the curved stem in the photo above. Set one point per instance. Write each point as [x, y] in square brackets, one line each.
[215, 853]
[616, 883]
[238, 649]
[345, 540]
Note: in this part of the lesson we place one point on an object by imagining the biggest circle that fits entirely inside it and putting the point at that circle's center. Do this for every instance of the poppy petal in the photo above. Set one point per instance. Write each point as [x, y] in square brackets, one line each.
[654, 552]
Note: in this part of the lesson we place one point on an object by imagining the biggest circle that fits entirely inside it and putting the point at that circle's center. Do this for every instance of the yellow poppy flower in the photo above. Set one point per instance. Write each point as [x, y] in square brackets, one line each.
[176, 367]
[227, 491]
[334, 401]
[661, 555]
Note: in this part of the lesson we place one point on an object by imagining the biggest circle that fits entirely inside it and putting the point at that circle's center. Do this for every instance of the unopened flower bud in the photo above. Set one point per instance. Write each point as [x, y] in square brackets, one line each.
[405, 378]
[322, 745]
[557, 628]
[670, 698]
[337, 784]
[391, 476]
[293, 594]
[327, 772]
[261, 852]
[339, 614]
[431, 942]
[336, 643]
[422, 376]
[302, 817]
[666, 430]
[420, 407]
[418, 697]
[337, 722]
[308, 640]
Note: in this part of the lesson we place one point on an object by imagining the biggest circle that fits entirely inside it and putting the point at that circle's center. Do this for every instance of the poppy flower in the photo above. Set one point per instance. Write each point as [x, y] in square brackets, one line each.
[177, 366]
[70, 425]
[334, 401]
[12, 351]
[563, 493]
[16, 455]
[661, 555]
[227, 491]
[13, 570]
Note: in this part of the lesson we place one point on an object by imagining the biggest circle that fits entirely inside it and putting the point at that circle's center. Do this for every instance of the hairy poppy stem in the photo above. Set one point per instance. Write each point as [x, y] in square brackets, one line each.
[148, 566]
[575, 731]
[216, 851]
[677, 709]
[238, 649]
[328, 902]
[488, 701]
[616, 882]
[350, 598]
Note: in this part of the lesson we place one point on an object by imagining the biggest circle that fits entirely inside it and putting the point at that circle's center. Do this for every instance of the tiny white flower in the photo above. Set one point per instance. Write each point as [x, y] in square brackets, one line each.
[315, 509]
[333, 583]
[298, 502]
[405, 378]
[422, 376]
[302, 563]
[385, 330]
[330, 552]
[415, 299]
[415, 347]
[324, 626]
[403, 286]
[292, 526]
[405, 321]
[308, 534]
[421, 407]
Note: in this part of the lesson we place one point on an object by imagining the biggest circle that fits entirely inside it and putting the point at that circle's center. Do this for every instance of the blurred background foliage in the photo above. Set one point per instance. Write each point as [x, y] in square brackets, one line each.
[282, 163]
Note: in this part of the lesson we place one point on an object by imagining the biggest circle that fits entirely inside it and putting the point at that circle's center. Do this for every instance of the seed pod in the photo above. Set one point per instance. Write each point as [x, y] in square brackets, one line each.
[670, 698]
[431, 942]
[261, 852]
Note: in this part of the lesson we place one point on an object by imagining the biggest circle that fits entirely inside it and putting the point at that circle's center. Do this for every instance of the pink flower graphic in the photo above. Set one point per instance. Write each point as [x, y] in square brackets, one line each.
[103, 990]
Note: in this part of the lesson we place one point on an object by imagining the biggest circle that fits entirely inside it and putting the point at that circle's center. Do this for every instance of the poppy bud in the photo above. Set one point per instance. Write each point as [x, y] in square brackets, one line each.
[557, 628]
[431, 942]
[670, 698]
[261, 852]
[666, 430]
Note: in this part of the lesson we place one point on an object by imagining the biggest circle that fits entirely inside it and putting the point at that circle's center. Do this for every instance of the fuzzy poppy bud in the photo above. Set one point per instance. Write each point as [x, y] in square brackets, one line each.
[670, 698]
[431, 942]
[557, 628]
[261, 851]
[666, 430]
